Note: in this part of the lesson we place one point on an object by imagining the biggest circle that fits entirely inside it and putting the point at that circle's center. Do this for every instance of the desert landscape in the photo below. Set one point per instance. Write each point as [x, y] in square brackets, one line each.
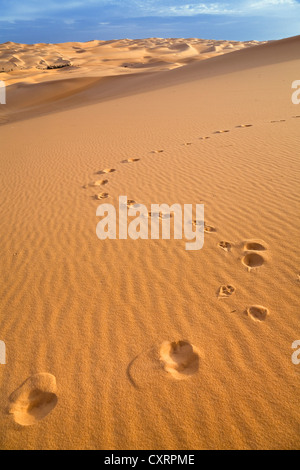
[140, 344]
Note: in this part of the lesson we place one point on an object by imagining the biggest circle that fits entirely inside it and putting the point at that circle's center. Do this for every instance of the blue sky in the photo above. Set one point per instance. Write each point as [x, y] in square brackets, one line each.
[32, 21]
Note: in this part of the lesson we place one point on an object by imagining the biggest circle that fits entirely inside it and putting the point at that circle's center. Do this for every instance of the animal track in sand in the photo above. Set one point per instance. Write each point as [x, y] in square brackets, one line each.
[179, 358]
[98, 183]
[244, 125]
[157, 151]
[34, 399]
[106, 171]
[204, 138]
[281, 120]
[253, 260]
[100, 196]
[257, 312]
[131, 203]
[226, 246]
[159, 215]
[222, 132]
[209, 229]
[131, 160]
[254, 246]
[187, 143]
[295, 117]
[226, 291]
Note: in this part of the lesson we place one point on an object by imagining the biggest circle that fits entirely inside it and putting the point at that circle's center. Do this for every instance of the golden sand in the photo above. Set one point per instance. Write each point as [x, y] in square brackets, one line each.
[124, 344]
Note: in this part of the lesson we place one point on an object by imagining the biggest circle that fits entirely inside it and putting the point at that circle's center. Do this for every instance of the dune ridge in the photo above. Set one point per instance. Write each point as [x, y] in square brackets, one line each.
[51, 74]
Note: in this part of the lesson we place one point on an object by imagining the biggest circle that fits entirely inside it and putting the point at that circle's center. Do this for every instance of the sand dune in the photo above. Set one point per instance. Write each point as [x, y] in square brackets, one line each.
[105, 57]
[46, 74]
[140, 344]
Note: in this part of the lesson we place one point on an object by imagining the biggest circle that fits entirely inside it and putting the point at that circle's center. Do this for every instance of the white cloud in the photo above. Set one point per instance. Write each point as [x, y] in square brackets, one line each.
[230, 7]
[274, 8]
[14, 10]
[272, 3]
[193, 9]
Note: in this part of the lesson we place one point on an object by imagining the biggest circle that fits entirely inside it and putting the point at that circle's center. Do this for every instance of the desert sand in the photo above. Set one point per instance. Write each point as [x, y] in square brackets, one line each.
[140, 344]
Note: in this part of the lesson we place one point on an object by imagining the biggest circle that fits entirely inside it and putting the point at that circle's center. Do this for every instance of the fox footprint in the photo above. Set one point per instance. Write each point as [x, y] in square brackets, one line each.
[207, 228]
[98, 183]
[106, 171]
[131, 160]
[226, 291]
[100, 196]
[226, 246]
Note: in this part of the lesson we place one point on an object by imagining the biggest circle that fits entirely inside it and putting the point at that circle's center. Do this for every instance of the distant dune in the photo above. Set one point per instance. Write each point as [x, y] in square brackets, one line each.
[40, 75]
[108, 57]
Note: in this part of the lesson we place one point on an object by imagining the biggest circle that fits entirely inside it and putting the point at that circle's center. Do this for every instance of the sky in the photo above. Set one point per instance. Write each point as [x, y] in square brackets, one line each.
[54, 21]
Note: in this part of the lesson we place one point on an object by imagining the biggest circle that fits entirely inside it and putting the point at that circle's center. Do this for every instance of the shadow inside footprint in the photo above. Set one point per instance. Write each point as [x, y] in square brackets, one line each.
[180, 359]
[257, 312]
[254, 246]
[253, 260]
